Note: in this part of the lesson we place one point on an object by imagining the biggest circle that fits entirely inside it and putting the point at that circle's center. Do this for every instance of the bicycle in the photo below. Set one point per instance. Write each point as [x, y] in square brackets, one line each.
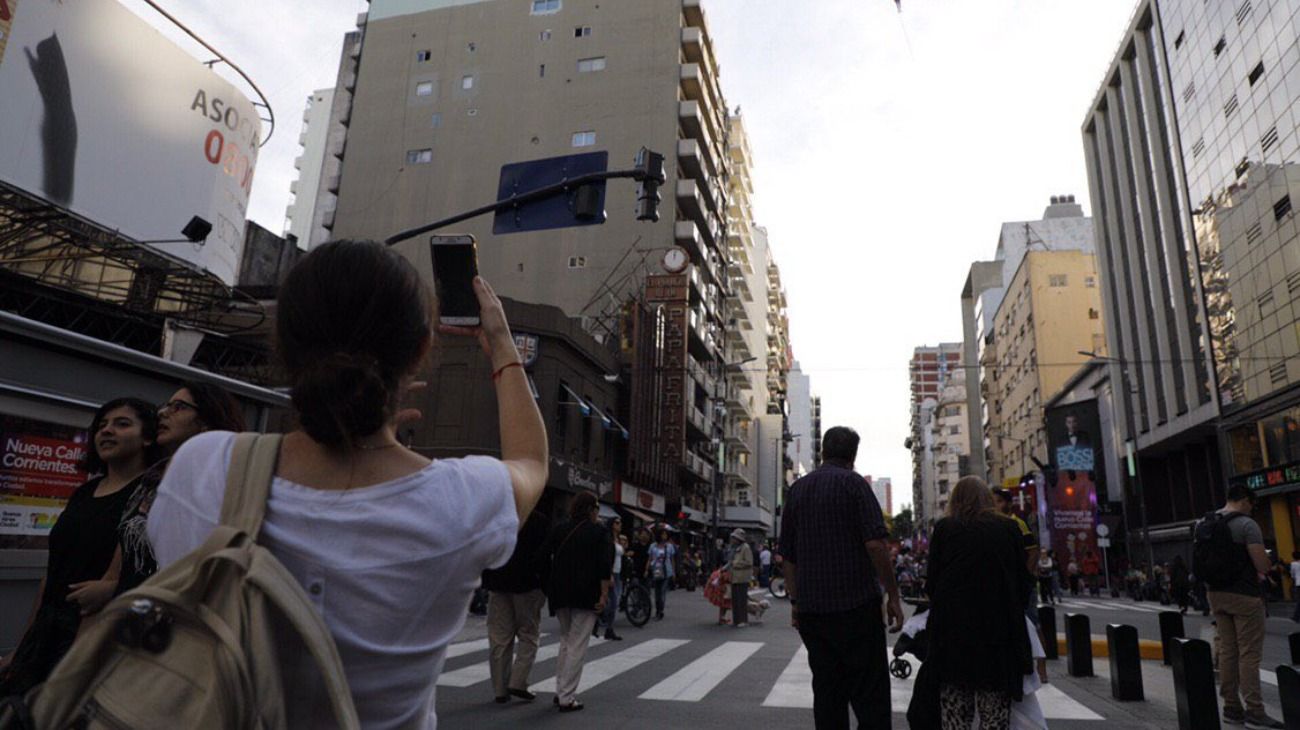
[776, 586]
[637, 603]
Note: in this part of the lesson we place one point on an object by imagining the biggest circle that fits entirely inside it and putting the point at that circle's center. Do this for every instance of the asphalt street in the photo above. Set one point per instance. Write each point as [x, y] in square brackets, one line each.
[687, 671]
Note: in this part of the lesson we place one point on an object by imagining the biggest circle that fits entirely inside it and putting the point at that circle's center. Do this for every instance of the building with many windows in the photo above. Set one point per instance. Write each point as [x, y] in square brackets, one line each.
[928, 370]
[1050, 315]
[1191, 146]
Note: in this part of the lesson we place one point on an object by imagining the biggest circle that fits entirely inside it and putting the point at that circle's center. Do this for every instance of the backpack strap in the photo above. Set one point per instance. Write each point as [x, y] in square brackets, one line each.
[248, 481]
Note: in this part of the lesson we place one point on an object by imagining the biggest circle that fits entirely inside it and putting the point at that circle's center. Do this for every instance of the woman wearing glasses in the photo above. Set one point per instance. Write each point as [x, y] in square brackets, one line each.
[195, 408]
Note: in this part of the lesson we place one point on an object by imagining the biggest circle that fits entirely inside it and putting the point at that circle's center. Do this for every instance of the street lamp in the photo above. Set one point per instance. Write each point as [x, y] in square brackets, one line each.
[1135, 463]
[719, 408]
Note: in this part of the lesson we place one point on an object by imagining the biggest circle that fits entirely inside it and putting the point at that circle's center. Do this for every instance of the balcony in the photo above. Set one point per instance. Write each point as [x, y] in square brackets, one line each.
[687, 235]
[293, 187]
[690, 201]
[697, 466]
[698, 86]
[332, 184]
[701, 376]
[752, 515]
[693, 13]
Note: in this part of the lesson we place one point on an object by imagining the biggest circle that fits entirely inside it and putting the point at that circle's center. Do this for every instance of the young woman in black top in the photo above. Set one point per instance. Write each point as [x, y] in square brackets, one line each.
[82, 541]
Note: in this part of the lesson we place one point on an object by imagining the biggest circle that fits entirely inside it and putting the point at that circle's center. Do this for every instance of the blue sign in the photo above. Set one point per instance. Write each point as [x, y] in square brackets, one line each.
[558, 211]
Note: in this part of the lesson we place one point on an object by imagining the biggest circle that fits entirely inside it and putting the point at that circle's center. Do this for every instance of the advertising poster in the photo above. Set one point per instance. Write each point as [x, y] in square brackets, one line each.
[1071, 505]
[91, 95]
[40, 468]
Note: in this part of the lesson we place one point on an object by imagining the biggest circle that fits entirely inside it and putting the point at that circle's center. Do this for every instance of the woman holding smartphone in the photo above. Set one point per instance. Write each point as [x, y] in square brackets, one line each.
[82, 541]
[388, 545]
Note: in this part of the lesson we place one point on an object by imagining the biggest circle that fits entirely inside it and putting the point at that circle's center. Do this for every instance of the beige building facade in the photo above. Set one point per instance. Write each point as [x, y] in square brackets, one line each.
[1051, 312]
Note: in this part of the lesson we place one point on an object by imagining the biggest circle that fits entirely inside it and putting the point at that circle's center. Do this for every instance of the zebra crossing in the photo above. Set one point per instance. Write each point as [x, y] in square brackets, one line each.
[696, 679]
[1097, 604]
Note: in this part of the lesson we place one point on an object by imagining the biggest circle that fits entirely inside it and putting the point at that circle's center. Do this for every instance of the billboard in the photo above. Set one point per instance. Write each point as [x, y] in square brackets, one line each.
[40, 468]
[1071, 504]
[102, 115]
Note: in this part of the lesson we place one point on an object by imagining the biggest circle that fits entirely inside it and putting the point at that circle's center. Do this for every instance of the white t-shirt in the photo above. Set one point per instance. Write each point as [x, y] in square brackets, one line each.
[1295, 572]
[618, 559]
[391, 567]
[765, 558]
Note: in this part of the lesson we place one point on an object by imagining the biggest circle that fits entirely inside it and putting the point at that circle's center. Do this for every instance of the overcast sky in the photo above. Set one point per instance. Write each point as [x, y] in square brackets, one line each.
[888, 146]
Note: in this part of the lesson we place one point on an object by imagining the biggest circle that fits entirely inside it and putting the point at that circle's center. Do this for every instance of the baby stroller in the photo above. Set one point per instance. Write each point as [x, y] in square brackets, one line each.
[914, 640]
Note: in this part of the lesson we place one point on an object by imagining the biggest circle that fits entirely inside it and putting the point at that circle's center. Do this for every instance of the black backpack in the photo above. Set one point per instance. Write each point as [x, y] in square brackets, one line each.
[1216, 559]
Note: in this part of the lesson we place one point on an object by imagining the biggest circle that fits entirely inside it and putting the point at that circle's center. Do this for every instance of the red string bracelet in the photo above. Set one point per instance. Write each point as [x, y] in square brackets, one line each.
[497, 375]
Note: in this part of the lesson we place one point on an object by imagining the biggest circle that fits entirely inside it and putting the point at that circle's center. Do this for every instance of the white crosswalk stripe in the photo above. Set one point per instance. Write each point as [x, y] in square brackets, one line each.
[595, 673]
[698, 679]
[1094, 605]
[694, 681]
[482, 672]
[469, 647]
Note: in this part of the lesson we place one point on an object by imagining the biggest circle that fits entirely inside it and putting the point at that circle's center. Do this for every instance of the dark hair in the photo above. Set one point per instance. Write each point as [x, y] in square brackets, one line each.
[148, 417]
[353, 318]
[582, 505]
[840, 443]
[218, 410]
[1238, 492]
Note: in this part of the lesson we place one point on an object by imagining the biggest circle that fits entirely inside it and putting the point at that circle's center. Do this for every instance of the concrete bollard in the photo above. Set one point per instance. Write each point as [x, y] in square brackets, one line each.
[1125, 663]
[1194, 689]
[1171, 627]
[1047, 626]
[1295, 649]
[1288, 687]
[1078, 645]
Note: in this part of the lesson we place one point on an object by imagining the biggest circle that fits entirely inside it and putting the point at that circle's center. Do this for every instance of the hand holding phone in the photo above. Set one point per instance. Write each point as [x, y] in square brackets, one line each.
[455, 266]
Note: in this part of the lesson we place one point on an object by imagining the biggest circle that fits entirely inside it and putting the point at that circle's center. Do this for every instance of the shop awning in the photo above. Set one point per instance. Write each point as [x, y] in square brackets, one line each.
[582, 405]
[641, 515]
[607, 512]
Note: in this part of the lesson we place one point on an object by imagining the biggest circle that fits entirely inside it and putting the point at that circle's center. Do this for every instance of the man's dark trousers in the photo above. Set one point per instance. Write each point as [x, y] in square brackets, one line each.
[846, 652]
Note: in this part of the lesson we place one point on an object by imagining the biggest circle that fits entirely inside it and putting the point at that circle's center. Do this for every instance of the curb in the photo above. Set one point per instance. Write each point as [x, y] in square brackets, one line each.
[1147, 648]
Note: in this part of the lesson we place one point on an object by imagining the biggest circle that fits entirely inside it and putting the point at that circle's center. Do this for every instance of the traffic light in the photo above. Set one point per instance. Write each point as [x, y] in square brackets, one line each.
[650, 174]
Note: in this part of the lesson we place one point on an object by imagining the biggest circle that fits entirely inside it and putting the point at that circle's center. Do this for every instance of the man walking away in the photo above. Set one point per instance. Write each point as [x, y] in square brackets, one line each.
[765, 566]
[581, 559]
[1228, 553]
[835, 559]
[514, 611]
[741, 568]
[1295, 584]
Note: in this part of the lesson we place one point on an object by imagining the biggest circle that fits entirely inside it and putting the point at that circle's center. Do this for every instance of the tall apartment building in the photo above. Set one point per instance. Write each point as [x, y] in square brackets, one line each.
[927, 371]
[1190, 145]
[1051, 312]
[1063, 227]
[950, 442]
[799, 398]
[310, 216]
[883, 489]
[450, 91]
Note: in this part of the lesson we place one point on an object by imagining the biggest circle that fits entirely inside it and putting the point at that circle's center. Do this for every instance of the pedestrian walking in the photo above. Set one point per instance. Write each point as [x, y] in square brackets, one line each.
[388, 545]
[1229, 555]
[1180, 583]
[581, 557]
[835, 561]
[1295, 584]
[1046, 572]
[605, 624]
[83, 540]
[1072, 575]
[1091, 568]
[661, 557]
[765, 566]
[514, 611]
[741, 568]
[978, 585]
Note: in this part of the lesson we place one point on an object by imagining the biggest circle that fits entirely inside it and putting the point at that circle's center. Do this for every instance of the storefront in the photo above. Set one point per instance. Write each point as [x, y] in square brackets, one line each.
[1265, 456]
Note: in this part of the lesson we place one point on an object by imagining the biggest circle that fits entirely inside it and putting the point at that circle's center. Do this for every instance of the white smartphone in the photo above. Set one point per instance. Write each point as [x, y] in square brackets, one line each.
[455, 264]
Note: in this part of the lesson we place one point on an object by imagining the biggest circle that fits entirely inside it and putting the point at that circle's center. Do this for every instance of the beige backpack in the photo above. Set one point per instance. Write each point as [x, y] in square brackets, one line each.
[223, 638]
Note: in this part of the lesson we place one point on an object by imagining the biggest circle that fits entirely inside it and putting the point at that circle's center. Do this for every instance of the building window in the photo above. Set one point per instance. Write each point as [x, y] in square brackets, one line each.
[419, 157]
[1090, 282]
[588, 65]
[471, 47]
[1057, 280]
[435, 120]
[467, 82]
[472, 112]
[544, 35]
[1093, 314]
[1281, 208]
[546, 7]
[541, 71]
[577, 262]
[582, 31]
[1178, 42]
[584, 139]
[424, 88]
[423, 56]
[1255, 73]
[1218, 47]
[954, 430]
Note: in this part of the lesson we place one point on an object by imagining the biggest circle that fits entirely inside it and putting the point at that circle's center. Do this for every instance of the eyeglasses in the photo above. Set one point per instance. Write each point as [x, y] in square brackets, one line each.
[175, 406]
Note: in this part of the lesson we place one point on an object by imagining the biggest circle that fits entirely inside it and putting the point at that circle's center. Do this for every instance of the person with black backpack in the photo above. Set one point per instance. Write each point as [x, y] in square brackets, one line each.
[1228, 555]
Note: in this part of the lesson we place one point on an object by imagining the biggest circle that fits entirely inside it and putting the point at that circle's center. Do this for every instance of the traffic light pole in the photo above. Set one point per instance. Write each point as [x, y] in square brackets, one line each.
[649, 172]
